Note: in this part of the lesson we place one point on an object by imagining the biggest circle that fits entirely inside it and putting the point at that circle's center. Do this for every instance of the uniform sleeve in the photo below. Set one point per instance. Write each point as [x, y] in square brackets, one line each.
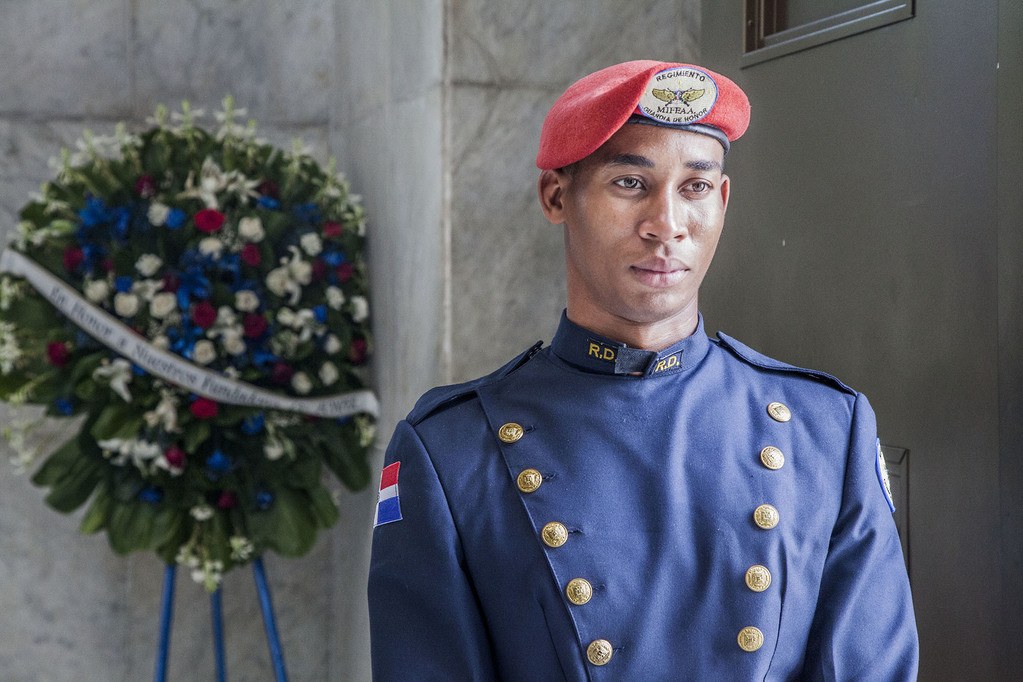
[864, 627]
[425, 620]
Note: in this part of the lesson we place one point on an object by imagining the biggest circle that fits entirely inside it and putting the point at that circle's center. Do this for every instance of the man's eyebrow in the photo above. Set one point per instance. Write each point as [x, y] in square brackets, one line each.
[641, 161]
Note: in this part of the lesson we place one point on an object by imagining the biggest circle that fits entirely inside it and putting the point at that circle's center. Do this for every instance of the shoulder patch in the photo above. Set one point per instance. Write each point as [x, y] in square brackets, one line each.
[760, 360]
[442, 396]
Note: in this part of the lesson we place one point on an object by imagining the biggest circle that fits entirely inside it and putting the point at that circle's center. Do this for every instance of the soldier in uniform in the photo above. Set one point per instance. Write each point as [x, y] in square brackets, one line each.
[638, 501]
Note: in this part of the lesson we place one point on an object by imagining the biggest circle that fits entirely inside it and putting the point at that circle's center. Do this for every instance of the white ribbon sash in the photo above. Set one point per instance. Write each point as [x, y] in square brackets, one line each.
[109, 331]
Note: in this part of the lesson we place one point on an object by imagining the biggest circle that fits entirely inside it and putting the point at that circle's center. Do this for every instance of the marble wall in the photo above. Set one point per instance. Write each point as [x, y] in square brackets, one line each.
[433, 109]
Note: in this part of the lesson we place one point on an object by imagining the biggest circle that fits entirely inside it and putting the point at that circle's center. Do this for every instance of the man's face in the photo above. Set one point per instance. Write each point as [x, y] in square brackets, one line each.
[642, 218]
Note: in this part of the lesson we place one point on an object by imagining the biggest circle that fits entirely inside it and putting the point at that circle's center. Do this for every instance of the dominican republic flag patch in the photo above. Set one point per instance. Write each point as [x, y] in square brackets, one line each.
[388, 509]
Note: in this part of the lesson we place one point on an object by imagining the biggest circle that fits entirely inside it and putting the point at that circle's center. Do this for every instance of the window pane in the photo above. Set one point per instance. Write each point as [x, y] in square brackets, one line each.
[799, 12]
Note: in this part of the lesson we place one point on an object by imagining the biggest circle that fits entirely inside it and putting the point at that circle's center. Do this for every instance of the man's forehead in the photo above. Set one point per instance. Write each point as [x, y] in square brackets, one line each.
[653, 148]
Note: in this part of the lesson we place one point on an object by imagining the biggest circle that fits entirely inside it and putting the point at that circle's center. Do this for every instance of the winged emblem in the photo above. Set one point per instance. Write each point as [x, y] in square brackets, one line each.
[684, 96]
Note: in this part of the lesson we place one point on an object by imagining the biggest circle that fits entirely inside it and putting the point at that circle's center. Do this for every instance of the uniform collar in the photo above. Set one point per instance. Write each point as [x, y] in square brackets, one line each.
[591, 351]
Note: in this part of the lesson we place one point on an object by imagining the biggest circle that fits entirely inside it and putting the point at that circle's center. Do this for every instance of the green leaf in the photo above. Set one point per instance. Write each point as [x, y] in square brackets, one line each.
[74, 488]
[116, 421]
[58, 464]
[131, 526]
[323, 506]
[195, 435]
[11, 383]
[95, 518]
[288, 526]
[349, 464]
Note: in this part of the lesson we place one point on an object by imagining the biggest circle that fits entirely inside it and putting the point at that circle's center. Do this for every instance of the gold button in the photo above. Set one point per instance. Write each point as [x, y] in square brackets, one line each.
[779, 412]
[554, 534]
[510, 432]
[599, 652]
[772, 457]
[579, 591]
[750, 638]
[766, 516]
[529, 480]
[758, 578]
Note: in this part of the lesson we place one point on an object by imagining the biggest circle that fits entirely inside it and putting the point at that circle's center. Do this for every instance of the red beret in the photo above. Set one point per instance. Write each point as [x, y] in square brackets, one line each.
[680, 96]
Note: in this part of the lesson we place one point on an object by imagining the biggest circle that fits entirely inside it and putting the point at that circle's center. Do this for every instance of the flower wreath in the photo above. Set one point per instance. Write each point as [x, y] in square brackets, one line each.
[199, 301]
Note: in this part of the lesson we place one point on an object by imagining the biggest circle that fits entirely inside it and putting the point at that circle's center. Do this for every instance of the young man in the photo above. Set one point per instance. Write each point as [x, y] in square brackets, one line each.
[638, 501]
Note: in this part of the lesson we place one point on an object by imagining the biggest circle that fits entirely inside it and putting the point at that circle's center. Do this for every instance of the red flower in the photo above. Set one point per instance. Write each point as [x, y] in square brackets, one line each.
[204, 408]
[175, 456]
[57, 353]
[171, 282]
[145, 187]
[268, 189]
[332, 229]
[108, 264]
[209, 220]
[73, 257]
[344, 272]
[254, 325]
[227, 500]
[281, 374]
[251, 255]
[319, 270]
[357, 351]
[204, 314]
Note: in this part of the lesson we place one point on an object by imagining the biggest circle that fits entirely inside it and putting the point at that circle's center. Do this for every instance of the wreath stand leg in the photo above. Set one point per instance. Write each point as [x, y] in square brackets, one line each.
[217, 616]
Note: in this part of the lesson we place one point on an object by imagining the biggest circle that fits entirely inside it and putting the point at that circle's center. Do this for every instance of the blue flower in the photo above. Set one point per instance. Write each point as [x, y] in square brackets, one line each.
[269, 202]
[253, 424]
[65, 406]
[175, 218]
[137, 371]
[309, 213]
[217, 464]
[264, 498]
[94, 213]
[122, 219]
[320, 313]
[333, 258]
[123, 284]
[151, 495]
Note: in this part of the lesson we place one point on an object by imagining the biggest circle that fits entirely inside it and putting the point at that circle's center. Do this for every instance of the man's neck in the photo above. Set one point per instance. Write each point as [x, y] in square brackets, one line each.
[653, 336]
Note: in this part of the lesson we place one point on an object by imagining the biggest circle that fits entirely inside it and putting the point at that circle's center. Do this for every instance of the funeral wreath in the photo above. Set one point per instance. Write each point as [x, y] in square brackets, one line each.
[196, 299]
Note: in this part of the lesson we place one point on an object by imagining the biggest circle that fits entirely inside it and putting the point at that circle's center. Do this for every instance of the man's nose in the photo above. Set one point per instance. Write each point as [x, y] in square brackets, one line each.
[664, 219]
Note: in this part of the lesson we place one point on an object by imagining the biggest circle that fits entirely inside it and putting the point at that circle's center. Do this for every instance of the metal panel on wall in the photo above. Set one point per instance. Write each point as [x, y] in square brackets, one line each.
[862, 239]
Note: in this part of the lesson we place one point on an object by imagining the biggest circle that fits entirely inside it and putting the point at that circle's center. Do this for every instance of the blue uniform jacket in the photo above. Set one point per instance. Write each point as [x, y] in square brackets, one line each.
[559, 521]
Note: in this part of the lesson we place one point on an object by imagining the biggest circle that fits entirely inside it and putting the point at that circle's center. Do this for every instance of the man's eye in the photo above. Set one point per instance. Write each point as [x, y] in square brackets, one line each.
[629, 183]
[699, 186]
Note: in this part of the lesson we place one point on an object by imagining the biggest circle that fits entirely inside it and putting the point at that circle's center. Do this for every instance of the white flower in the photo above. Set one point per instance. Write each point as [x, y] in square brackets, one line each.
[250, 228]
[147, 288]
[225, 316]
[335, 298]
[201, 512]
[126, 305]
[10, 291]
[279, 281]
[158, 213]
[232, 341]
[203, 352]
[97, 290]
[241, 548]
[10, 352]
[117, 374]
[148, 264]
[273, 449]
[165, 414]
[332, 345]
[360, 308]
[311, 243]
[161, 342]
[163, 304]
[367, 430]
[301, 382]
[286, 316]
[329, 373]
[301, 271]
[211, 246]
[246, 301]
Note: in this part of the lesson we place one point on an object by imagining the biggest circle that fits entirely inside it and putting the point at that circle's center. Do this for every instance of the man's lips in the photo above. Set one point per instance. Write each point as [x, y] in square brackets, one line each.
[658, 272]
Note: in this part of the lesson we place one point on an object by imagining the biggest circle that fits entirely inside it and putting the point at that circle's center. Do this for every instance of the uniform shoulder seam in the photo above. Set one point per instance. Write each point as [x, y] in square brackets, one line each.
[762, 361]
[437, 399]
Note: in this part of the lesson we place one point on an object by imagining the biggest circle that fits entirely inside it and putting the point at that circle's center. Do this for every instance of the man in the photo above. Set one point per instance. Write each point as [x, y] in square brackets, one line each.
[638, 501]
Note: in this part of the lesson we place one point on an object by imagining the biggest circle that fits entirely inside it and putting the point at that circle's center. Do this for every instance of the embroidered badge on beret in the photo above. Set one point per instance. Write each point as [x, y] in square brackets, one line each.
[679, 96]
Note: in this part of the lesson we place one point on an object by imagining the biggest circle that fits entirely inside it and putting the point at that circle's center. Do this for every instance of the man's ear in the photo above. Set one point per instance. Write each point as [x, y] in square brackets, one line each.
[550, 189]
[726, 191]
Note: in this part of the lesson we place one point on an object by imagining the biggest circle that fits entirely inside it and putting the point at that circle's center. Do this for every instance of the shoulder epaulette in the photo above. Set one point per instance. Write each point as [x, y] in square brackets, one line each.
[760, 360]
[437, 398]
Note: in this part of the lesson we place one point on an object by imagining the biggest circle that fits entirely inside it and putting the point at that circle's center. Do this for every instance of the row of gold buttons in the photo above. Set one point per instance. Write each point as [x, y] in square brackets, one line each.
[766, 516]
